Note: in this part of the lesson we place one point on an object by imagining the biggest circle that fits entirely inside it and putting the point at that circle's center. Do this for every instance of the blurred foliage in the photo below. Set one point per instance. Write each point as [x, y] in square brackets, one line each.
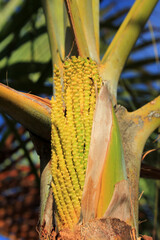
[25, 65]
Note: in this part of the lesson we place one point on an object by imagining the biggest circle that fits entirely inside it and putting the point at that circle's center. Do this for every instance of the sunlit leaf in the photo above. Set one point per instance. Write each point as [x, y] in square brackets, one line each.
[106, 165]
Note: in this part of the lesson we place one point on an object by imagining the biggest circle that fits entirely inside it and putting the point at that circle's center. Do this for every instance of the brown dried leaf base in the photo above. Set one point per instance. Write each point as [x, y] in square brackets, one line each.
[99, 229]
[107, 229]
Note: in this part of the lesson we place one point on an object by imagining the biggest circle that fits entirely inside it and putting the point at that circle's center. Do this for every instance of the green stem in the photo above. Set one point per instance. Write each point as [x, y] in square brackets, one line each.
[135, 128]
[122, 44]
[147, 119]
[31, 111]
[84, 16]
[56, 52]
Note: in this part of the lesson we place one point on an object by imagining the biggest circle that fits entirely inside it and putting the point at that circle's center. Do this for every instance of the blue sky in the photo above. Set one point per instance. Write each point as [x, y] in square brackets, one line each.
[3, 238]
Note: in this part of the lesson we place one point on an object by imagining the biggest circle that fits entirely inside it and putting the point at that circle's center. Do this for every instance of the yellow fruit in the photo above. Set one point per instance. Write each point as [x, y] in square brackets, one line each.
[72, 116]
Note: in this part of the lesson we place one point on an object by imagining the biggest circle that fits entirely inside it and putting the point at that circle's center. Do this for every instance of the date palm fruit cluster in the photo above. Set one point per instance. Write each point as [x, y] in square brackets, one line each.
[72, 116]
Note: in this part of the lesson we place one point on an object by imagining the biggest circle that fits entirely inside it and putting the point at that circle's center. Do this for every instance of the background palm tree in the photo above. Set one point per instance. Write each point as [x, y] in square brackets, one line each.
[25, 63]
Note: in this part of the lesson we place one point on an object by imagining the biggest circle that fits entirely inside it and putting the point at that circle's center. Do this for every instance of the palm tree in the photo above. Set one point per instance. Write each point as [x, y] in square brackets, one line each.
[110, 194]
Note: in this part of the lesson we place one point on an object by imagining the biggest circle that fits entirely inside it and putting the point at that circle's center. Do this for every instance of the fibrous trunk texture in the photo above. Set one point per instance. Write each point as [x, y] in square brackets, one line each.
[100, 229]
